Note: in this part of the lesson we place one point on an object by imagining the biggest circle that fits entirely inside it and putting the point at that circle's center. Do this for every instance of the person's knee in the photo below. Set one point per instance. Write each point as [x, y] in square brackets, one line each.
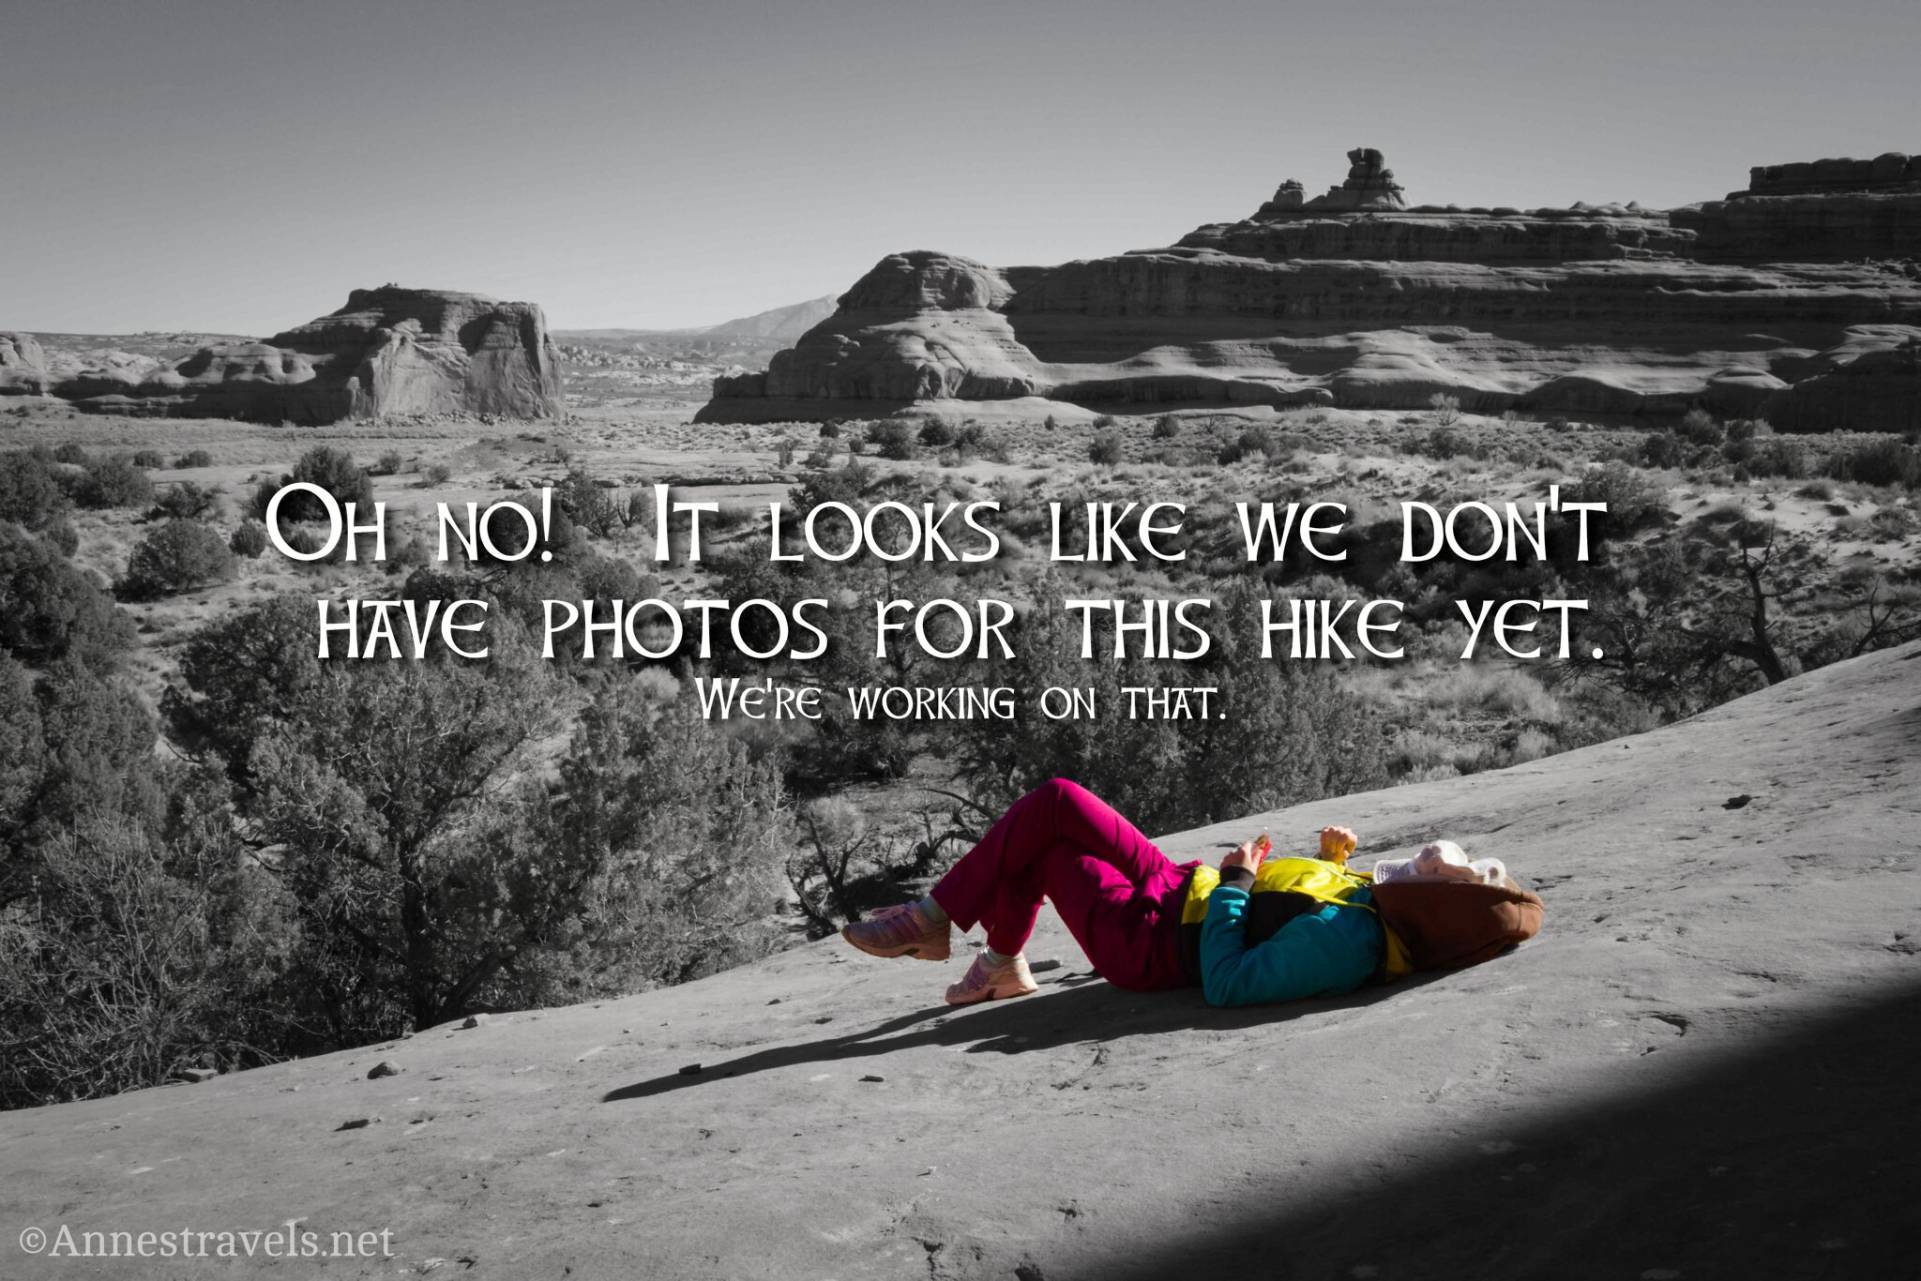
[1060, 789]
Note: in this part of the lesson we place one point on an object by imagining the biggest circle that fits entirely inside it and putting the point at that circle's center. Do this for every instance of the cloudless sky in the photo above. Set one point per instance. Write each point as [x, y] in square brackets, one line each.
[238, 165]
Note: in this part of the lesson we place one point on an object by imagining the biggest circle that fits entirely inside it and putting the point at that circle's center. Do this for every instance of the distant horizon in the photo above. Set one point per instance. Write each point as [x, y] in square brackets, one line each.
[189, 167]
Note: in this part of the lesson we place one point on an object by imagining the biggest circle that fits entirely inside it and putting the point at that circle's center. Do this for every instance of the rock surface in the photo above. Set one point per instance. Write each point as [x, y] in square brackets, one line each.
[389, 352]
[1355, 299]
[1694, 1071]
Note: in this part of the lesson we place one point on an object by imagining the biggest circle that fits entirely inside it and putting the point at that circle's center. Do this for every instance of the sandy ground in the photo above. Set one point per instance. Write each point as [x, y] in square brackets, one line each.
[1696, 1071]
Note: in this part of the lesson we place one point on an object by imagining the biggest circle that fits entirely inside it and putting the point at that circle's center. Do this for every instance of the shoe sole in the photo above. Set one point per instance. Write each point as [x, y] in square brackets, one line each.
[919, 951]
[991, 995]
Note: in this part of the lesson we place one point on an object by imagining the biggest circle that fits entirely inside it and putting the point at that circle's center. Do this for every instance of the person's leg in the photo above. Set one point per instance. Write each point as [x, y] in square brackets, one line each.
[1113, 919]
[1000, 883]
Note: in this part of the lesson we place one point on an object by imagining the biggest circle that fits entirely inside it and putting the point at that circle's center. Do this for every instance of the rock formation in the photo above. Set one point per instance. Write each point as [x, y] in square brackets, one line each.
[389, 351]
[1782, 301]
[23, 366]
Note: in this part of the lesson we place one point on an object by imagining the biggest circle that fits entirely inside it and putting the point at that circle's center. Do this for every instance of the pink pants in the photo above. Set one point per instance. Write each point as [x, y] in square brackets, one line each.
[1119, 896]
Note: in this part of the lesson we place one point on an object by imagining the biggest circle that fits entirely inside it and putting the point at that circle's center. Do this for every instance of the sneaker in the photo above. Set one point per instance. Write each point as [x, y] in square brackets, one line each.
[902, 930]
[988, 983]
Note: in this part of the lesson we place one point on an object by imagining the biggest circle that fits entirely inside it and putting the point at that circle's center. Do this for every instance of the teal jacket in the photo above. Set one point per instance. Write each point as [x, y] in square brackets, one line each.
[1319, 953]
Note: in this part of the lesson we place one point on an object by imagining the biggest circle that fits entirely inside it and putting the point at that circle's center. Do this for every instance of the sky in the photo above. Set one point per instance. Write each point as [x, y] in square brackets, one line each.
[237, 166]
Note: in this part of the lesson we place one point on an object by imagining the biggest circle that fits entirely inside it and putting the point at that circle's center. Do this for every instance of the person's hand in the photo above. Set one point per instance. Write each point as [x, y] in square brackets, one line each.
[1337, 843]
[1247, 855]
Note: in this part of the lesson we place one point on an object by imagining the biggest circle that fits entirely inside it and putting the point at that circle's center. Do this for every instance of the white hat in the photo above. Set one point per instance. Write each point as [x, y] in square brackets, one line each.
[1441, 861]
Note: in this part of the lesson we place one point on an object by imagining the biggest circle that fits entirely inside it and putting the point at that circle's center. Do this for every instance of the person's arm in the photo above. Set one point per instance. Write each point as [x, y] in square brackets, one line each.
[1334, 950]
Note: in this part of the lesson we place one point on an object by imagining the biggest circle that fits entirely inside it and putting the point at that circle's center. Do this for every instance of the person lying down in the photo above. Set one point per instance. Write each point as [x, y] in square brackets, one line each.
[1257, 929]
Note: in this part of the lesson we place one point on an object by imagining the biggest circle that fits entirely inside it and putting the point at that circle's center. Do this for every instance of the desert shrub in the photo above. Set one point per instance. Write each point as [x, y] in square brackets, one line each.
[1632, 502]
[30, 495]
[1444, 443]
[150, 459]
[333, 470]
[892, 439]
[436, 474]
[49, 608]
[1781, 456]
[176, 557]
[390, 463]
[1166, 427]
[586, 502]
[973, 439]
[1531, 744]
[1447, 409]
[1699, 427]
[1663, 449]
[249, 539]
[936, 432]
[193, 458]
[784, 450]
[1106, 448]
[1253, 441]
[62, 536]
[113, 482]
[70, 452]
[1884, 461]
[821, 455]
[186, 500]
[304, 539]
[830, 430]
[147, 952]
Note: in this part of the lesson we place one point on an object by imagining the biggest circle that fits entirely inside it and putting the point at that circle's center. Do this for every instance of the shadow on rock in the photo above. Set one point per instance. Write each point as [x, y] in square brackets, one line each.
[1087, 1011]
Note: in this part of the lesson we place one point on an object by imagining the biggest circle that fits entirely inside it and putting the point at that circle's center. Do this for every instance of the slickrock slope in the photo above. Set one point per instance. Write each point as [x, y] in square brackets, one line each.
[389, 351]
[1800, 303]
[1700, 1069]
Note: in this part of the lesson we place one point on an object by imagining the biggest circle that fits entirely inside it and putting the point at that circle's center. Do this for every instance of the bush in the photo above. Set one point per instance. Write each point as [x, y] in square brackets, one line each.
[1780, 456]
[1447, 409]
[49, 609]
[249, 540]
[1631, 501]
[436, 474]
[114, 482]
[304, 540]
[193, 458]
[1662, 449]
[390, 463]
[935, 433]
[830, 430]
[176, 557]
[185, 500]
[1106, 448]
[333, 470]
[30, 495]
[583, 500]
[893, 439]
[1166, 427]
[70, 452]
[1699, 427]
[150, 459]
[62, 535]
[1883, 462]
[1255, 440]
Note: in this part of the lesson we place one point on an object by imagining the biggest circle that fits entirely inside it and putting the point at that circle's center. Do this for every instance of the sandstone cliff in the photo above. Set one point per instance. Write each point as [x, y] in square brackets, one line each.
[1354, 298]
[389, 351]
